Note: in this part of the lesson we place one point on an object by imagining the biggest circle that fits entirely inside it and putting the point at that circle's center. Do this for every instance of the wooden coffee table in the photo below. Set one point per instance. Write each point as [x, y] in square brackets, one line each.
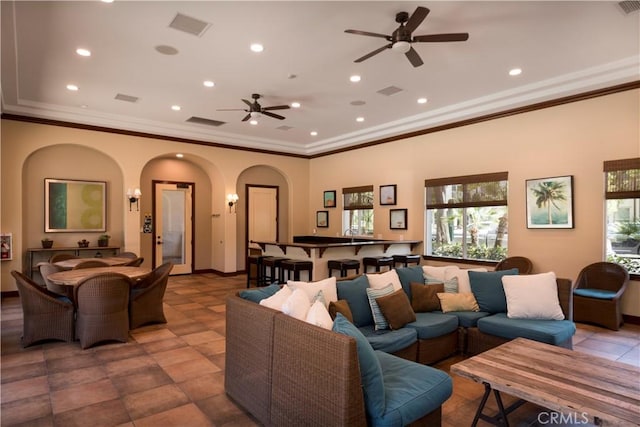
[577, 385]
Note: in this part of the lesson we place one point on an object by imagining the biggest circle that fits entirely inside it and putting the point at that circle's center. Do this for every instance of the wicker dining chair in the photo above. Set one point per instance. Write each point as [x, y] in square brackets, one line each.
[127, 255]
[136, 262]
[597, 293]
[523, 264]
[145, 304]
[102, 302]
[45, 270]
[92, 263]
[61, 257]
[46, 316]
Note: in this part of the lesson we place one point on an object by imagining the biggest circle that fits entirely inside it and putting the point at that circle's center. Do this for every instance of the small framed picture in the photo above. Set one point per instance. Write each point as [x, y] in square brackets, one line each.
[329, 199]
[388, 194]
[322, 219]
[6, 244]
[550, 202]
[398, 219]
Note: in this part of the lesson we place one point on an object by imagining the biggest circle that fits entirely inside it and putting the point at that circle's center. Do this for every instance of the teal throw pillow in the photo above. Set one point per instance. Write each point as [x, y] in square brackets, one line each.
[408, 275]
[370, 368]
[355, 293]
[488, 290]
[378, 318]
[258, 294]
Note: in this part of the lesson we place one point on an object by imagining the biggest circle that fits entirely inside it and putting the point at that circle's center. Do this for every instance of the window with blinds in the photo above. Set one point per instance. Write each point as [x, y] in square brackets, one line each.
[357, 214]
[466, 216]
[622, 194]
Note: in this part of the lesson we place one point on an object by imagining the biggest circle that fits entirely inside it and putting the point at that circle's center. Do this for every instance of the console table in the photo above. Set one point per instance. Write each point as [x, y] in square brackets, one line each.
[36, 255]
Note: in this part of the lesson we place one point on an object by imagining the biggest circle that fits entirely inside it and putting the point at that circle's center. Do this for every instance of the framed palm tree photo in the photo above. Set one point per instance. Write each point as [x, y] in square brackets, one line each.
[550, 202]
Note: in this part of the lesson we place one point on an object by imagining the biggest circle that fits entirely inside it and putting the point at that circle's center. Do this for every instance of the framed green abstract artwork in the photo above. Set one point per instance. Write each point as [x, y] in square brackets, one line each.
[72, 205]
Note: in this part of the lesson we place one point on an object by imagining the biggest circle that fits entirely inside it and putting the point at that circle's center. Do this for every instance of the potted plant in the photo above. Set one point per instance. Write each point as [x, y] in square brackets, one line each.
[47, 243]
[84, 243]
[103, 240]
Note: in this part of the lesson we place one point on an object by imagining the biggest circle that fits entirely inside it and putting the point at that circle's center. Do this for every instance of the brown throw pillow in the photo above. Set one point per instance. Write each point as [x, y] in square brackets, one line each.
[396, 308]
[340, 306]
[424, 298]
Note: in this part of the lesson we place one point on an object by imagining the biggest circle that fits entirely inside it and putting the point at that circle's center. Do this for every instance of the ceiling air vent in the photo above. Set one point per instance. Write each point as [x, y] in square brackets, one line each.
[203, 121]
[189, 25]
[284, 127]
[126, 98]
[388, 91]
[629, 6]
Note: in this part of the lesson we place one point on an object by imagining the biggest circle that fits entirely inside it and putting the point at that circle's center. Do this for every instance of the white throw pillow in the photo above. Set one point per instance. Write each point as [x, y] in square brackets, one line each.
[327, 286]
[440, 272]
[297, 305]
[464, 286]
[319, 315]
[276, 300]
[380, 280]
[533, 296]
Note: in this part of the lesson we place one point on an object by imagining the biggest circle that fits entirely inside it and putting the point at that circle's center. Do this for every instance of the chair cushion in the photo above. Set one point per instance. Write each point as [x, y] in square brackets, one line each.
[355, 293]
[412, 390]
[378, 318]
[468, 319]
[396, 308]
[255, 295]
[408, 275]
[594, 293]
[547, 331]
[433, 325]
[370, 369]
[487, 288]
[389, 341]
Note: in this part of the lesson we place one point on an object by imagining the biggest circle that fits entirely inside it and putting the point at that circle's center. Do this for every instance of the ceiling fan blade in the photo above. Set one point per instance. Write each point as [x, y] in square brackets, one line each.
[366, 33]
[414, 58]
[416, 18]
[452, 37]
[247, 117]
[276, 107]
[375, 52]
[247, 102]
[231, 109]
[275, 116]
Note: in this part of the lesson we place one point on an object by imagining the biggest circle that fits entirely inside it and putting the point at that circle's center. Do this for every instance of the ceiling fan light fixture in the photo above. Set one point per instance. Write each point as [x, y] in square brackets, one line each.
[255, 114]
[401, 47]
[253, 122]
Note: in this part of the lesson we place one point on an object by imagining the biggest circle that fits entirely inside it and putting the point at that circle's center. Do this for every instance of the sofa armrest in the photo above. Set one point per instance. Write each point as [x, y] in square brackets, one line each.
[565, 296]
[317, 376]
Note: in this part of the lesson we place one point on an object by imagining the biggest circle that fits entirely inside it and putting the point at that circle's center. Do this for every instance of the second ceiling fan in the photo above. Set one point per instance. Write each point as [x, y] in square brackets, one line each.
[256, 110]
[401, 39]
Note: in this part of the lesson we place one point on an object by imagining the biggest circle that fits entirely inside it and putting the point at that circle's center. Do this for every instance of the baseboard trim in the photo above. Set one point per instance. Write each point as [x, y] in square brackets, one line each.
[9, 294]
[633, 320]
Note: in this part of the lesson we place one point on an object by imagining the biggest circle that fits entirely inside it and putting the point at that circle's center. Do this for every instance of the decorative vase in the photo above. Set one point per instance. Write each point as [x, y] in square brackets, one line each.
[103, 243]
[46, 244]
[83, 243]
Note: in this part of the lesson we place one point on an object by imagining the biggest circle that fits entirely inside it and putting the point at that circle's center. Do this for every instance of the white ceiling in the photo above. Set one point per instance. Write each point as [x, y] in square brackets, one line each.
[563, 48]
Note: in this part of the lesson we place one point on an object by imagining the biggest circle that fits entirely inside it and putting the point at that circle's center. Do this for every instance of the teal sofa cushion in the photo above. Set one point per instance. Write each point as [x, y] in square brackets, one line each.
[370, 369]
[389, 340]
[408, 275]
[432, 325]
[258, 294]
[488, 290]
[547, 331]
[594, 293]
[412, 391]
[468, 319]
[355, 292]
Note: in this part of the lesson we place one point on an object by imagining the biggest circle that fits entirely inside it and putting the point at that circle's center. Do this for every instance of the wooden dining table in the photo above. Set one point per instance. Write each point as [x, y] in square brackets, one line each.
[73, 277]
[68, 264]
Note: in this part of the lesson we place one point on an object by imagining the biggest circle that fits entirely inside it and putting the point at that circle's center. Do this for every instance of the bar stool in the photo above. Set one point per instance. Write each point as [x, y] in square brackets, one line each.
[295, 266]
[275, 269]
[343, 265]
[254, 260]
[377, 262]
[405, 260]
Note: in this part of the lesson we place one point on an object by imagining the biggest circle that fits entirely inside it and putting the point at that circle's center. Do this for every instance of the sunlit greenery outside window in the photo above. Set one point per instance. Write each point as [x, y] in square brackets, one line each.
[466, 217]
[622, 196]
[357, 214]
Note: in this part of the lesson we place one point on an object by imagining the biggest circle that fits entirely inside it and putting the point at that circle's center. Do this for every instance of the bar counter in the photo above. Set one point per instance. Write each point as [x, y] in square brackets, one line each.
[320, 249]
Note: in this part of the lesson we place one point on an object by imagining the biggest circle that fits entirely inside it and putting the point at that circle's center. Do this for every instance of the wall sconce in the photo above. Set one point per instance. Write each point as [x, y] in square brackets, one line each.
[133, 196]
[232, 199]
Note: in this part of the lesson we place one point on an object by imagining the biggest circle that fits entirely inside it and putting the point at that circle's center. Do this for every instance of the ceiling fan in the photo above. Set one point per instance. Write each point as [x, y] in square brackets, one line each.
[401, 38]
[256, 110]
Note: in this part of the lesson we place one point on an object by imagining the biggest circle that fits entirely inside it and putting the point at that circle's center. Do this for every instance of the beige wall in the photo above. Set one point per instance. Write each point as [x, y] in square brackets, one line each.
[572, 139]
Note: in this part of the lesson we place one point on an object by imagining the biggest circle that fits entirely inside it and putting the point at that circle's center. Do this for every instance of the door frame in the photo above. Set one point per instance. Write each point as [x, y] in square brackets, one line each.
[155, 182]
[246, 214]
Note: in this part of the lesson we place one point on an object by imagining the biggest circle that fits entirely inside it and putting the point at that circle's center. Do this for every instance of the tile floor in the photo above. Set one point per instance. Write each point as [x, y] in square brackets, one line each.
[173, 374]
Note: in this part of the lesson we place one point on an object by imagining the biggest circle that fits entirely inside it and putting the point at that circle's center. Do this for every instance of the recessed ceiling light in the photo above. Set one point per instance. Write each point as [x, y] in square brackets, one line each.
[176, 107]
[179, 155]
[253, 122]
[295, 105]
[360, 119]
[83, 52]
[72, 87]
[515, 72]
[422, 100]
[313, 133]
[208, 83]
[355, 78]
[257, 47]
[107, 1]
